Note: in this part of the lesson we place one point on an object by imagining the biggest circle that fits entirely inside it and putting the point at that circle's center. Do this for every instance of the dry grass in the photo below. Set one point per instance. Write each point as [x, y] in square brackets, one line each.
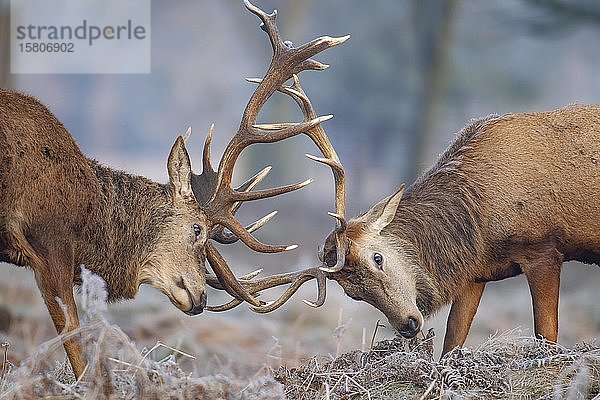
[505, 366]
[117, 369]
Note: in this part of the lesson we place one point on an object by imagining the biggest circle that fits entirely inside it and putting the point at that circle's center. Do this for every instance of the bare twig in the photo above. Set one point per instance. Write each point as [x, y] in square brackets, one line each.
[5, 346]
[378, 324]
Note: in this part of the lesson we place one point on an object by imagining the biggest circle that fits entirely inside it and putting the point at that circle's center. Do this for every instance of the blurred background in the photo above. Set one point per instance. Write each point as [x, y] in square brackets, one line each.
[411, 76]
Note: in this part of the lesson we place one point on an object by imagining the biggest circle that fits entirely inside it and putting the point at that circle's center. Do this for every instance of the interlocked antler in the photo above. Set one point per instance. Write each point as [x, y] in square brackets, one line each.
[296, 279]
[287, 62]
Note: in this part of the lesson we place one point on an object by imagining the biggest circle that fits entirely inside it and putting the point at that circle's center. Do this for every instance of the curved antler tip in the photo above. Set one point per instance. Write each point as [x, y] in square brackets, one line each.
[291, 247]
[209, 135]
[251, 275]
[187, 135]
[271, 214]
[263, 308]
[310, 303]
[306, 182]
[327, 269]
[327, 161]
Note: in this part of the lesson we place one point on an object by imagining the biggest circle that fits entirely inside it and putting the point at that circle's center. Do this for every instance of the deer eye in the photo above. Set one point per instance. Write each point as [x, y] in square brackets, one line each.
[197, 230]
[378, 258]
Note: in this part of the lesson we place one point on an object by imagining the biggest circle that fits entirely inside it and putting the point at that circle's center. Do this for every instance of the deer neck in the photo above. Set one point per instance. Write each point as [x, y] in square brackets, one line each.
[123, 228]
[440, 217]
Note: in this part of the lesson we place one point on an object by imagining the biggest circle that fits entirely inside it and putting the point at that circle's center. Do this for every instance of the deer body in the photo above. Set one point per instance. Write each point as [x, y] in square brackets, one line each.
[59, 210]
[512, 194]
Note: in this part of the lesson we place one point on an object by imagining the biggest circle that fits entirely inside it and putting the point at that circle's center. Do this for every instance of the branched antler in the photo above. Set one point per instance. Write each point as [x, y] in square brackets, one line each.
[286, 63]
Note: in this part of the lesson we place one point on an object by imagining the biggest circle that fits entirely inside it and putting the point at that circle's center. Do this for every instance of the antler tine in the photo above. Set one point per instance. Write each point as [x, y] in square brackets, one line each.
[204, 184]
[218, 232]
[238, 230]
[341, 243]
[206, 164]
[213, 280]
[227, 238]
[296, 279]
[255, 180]
[224, 307]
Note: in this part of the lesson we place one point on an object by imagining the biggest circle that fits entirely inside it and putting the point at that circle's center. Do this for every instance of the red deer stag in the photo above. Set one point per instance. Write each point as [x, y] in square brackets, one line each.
[59, 209]
[512, 194]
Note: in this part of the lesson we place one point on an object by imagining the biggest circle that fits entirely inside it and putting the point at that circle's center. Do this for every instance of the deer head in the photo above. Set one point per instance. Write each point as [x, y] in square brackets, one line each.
[176, 264]
[379, 267]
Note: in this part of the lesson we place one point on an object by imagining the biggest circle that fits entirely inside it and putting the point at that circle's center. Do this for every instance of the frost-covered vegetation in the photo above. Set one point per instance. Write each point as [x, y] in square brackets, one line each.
[505, 366]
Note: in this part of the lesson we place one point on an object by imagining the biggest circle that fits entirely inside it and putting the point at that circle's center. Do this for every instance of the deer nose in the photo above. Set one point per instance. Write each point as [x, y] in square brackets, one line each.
[410, 328]
[197, 308]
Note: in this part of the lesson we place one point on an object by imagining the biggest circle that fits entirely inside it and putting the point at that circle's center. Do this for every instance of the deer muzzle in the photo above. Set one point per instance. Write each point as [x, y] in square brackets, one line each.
[197, 304]
[410, 329]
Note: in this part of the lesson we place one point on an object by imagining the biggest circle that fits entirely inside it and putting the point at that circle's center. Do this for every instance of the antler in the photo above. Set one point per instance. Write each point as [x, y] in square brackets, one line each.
[318, 135]
[286, 63]
[255, 287]
[204, 186]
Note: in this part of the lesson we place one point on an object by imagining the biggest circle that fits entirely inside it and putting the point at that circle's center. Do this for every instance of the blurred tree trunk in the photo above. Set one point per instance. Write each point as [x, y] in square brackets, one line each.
[433, 24]
[4, 44]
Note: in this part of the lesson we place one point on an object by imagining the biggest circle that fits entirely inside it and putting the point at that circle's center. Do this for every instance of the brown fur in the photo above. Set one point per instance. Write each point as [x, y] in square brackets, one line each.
[60, 210]
[512, 194]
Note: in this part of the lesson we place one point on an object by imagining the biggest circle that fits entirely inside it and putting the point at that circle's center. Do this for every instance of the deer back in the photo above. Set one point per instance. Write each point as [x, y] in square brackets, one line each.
[42, 172]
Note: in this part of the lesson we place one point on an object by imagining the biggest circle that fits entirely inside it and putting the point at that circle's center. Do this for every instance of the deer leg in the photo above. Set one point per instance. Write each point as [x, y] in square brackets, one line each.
[543, 277]
[461, 315]
[56, 285]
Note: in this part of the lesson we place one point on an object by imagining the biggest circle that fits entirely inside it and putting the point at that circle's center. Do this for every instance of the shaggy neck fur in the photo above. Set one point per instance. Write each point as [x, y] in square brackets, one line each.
[440, 217]
[123, 229]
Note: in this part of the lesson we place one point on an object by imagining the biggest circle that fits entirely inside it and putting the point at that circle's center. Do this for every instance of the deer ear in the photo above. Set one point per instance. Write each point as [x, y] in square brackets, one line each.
[180, 169]
[383, 212]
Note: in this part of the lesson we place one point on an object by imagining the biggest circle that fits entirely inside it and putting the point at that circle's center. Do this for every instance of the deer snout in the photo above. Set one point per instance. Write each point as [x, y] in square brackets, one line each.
[410, 329]
[191, 299]
[407, 325]
[197, 307]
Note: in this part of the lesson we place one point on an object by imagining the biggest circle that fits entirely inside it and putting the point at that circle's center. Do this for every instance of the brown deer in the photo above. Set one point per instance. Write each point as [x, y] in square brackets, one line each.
[60, 210]
[513, 194]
